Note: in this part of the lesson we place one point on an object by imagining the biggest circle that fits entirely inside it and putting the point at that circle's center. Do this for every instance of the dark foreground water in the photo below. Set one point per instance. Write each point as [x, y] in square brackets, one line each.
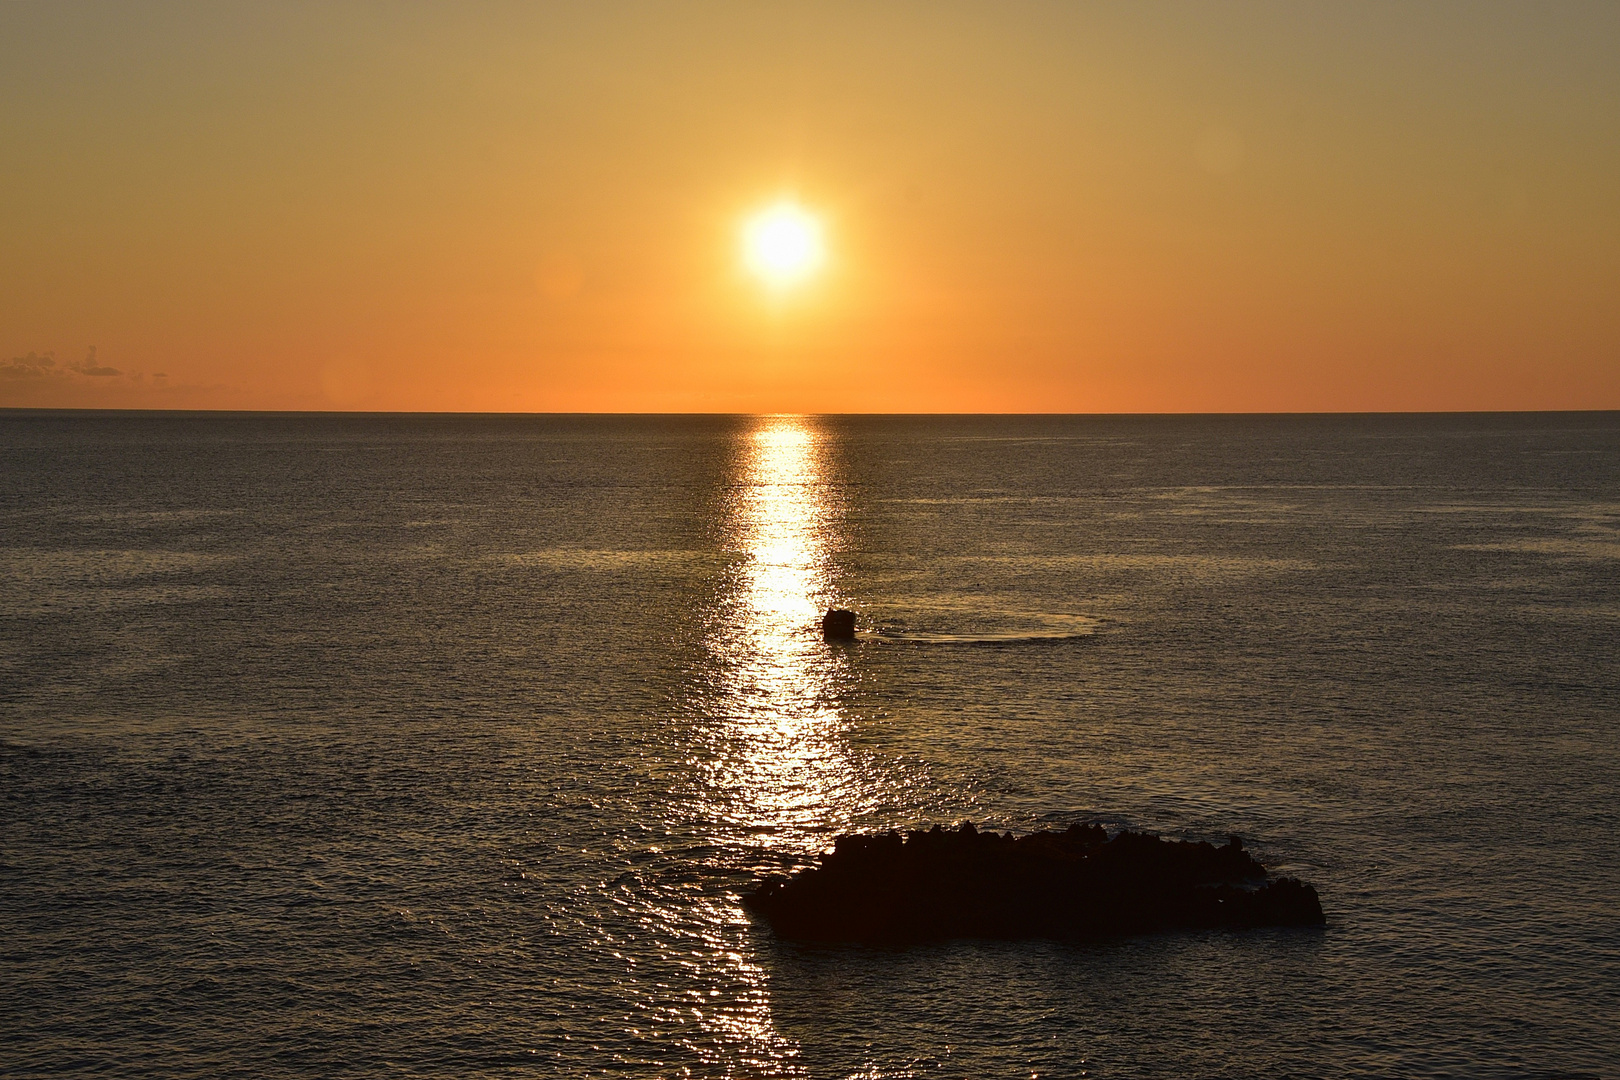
[445, 746]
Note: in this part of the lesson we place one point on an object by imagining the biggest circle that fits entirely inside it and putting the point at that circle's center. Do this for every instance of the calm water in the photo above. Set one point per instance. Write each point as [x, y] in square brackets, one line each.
[445, 745]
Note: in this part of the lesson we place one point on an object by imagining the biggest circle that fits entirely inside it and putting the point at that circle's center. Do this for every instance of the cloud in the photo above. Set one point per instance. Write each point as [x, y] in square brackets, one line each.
[44, 381]
[40, 380]
[88, 366]
[39, 366]
[32, 366]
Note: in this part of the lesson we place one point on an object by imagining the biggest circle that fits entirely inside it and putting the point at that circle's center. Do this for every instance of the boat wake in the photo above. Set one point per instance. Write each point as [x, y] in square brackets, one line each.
[1047, 628]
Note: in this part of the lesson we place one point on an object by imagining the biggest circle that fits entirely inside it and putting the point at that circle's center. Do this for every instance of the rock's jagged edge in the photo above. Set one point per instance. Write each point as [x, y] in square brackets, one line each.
[1072, 885]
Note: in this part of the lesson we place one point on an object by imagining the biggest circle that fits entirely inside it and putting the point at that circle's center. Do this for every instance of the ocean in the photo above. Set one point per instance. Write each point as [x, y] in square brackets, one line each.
[349, 745]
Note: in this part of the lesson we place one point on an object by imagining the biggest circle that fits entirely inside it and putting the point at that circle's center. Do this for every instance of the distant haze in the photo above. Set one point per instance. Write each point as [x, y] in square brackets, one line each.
[518, 206]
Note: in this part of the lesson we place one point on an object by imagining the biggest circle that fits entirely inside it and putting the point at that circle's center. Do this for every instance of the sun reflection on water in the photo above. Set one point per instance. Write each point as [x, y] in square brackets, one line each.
[783, 767]
[778, 773]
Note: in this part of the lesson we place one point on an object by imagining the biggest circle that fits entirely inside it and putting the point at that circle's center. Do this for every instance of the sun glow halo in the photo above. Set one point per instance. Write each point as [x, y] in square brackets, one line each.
[782, 244]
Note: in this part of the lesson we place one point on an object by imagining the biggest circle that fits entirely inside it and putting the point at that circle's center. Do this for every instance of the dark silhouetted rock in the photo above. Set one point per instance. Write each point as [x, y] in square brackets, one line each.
[1070, 885]
[838, 625]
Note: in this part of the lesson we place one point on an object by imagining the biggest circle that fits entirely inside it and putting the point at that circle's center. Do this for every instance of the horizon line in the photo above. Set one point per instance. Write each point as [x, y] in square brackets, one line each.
[26, 409]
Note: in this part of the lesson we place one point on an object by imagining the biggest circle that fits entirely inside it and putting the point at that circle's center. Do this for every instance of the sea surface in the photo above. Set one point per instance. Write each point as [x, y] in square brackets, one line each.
[446, 745]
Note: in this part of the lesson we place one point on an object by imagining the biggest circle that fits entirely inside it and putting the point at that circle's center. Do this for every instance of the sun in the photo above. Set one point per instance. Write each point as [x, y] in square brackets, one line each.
[782, 244]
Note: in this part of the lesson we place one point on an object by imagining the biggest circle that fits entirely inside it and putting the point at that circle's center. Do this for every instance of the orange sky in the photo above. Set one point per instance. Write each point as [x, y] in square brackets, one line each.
[1028, 207]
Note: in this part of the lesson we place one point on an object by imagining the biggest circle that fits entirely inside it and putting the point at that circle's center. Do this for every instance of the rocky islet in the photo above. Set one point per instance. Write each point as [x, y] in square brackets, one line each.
[1077, 884]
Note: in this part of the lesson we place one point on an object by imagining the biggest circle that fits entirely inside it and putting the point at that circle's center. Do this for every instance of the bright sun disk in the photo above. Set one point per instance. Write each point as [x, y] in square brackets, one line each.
[782, 244]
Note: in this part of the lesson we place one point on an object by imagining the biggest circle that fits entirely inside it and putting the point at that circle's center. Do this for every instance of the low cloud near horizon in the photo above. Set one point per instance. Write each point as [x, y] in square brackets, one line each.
[39, 380]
